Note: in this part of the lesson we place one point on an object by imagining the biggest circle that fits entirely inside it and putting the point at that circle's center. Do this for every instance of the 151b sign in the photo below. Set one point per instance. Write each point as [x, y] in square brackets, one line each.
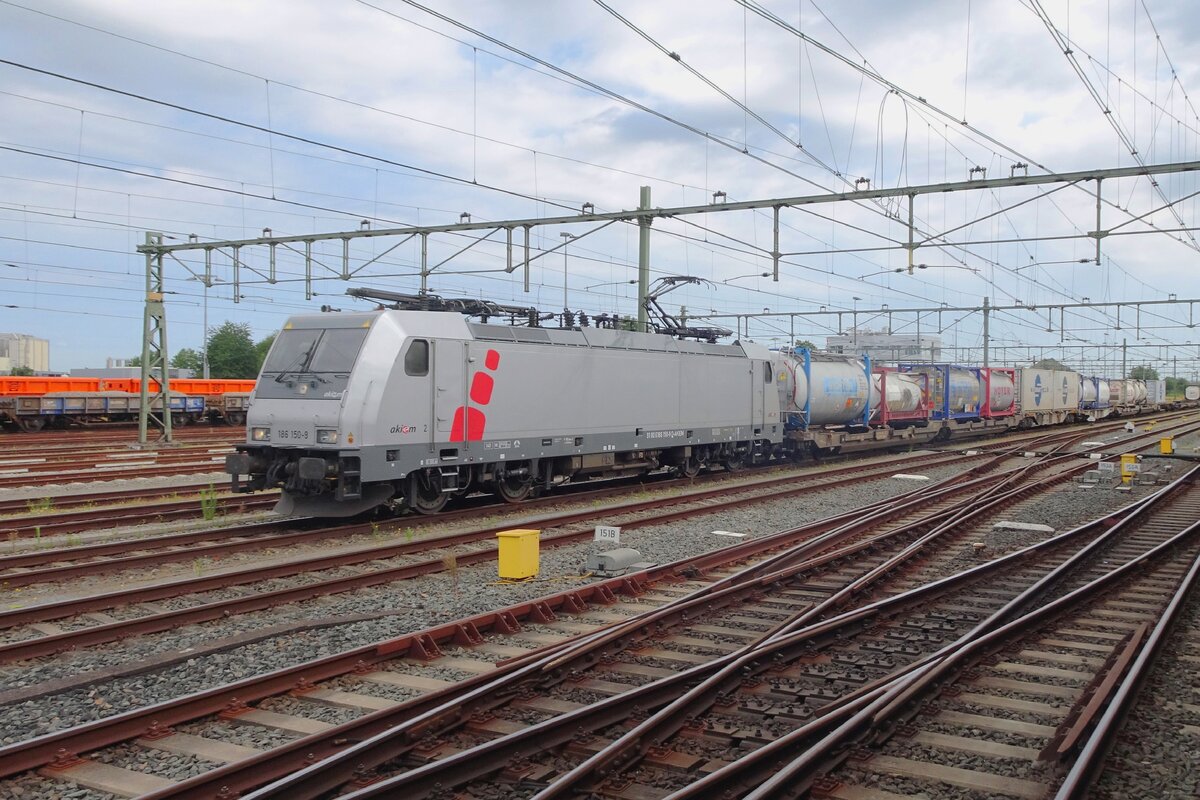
[608, 534]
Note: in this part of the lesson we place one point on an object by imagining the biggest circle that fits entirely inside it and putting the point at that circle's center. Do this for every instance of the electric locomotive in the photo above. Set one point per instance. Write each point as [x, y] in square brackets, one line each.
[358, 410]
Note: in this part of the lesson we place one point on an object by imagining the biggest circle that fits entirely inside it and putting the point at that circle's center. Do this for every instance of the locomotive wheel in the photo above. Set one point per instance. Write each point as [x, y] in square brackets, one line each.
[31, 424]
[514, 488]
[690, 467]
[425, 495]
[235, 418]
[735, 463]
[179, 420]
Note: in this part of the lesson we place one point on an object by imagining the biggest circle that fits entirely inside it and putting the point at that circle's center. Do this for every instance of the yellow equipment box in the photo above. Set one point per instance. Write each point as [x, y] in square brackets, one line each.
[1166, 446]
[1129, 467]
[518, 554]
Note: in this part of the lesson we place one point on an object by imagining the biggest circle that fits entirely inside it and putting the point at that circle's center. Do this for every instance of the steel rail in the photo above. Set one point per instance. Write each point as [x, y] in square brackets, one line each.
[446, 771]
[100, 453]
[1089, 763]
[114, 516]
[55, 643]
[19, 510]
[161, 471]
[30, 575]
[46, 466]
[283, 760]
[906, 693]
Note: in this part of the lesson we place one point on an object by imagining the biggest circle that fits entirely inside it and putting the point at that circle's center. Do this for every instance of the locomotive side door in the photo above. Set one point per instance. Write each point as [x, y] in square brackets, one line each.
[449, 385]
[760, 374]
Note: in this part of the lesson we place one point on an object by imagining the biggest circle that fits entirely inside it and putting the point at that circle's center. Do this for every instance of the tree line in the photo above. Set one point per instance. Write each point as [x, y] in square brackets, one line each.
[232, 353]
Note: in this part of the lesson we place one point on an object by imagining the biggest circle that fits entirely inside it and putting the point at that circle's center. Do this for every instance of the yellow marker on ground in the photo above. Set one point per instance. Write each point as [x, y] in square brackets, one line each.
[517, 558]
[1129, 467]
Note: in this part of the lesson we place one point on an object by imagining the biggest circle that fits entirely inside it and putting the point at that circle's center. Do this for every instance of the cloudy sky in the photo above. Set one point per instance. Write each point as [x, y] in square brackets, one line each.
[220, 119]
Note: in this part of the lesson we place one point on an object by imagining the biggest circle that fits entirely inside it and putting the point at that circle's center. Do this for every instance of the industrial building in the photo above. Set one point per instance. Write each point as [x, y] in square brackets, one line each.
[885, 346]
[21, 351]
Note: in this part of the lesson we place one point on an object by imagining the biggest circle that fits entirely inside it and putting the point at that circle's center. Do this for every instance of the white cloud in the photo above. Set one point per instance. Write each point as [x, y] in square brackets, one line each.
[543, 136]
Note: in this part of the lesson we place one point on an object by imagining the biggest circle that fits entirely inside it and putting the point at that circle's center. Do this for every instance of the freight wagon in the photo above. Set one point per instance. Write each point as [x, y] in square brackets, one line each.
[29, 403]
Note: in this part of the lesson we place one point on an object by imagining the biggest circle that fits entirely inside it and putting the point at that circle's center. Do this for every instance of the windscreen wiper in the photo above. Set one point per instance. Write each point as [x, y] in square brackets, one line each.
[300, 362]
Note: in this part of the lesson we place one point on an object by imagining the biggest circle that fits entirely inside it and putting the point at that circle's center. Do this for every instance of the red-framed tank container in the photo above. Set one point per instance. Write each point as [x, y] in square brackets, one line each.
[987, 377]
[885, 416]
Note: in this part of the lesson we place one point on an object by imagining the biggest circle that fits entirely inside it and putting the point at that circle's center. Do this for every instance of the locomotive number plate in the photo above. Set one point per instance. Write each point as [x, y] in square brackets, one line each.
[286, 434]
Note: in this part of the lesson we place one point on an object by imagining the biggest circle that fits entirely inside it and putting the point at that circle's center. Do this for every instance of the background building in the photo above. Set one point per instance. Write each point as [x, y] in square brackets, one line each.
[887, 347]
[20, 351]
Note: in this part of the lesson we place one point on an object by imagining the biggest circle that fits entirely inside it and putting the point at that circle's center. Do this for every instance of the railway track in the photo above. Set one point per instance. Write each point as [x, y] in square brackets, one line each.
[46, 524]
[867, 559]
[86, 518]
[143, 466]
[805, 703]
[1036, 685]
[618, 583]
[572, 527]
[441, 639]
[117, 435]
[82, 445]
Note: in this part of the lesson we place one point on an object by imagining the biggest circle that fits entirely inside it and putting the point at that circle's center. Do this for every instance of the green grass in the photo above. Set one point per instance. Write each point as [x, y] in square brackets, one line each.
[208, 503]
[41, 505]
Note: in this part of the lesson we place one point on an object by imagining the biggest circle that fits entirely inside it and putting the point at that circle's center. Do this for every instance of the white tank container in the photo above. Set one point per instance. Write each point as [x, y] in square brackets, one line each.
[1191, 392]
[903, 392]
[836, 391]
[1103, 392]
[1087, 390]
[1118, 392]
[965, 389]
[1139, 392]
[1001, 392]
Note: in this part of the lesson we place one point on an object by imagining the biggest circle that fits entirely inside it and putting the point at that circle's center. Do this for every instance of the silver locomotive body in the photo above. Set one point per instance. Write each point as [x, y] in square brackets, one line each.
[356, 410]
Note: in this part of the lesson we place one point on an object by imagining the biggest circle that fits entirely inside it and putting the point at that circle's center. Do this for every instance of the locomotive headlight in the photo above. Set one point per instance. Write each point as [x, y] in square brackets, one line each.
[260, 434]
[326, 436]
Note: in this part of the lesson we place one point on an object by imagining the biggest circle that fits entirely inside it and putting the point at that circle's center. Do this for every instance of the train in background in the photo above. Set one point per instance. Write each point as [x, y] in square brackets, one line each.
[411, 408]
[31, 403]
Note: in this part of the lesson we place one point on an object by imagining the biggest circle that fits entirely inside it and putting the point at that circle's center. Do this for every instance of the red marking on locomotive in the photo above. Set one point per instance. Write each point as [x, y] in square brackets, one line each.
[469, 422]
[481, 388]
[475, 422]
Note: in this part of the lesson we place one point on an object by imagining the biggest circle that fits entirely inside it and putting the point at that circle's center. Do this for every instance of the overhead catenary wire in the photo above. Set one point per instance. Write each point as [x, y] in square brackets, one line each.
[1105, 107]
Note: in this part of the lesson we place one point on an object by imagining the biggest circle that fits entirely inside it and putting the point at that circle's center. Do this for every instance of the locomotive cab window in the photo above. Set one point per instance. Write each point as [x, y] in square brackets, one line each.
[309, 351]
[416, 360]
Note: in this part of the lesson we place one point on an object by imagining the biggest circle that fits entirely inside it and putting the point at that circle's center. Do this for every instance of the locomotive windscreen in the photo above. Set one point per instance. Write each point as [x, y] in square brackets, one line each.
[314, 351]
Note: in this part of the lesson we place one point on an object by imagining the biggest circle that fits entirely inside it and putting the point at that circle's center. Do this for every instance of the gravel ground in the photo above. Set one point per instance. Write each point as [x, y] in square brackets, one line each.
[1064, 508]
[1155, 756]
[218, 478]
[411, 605]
